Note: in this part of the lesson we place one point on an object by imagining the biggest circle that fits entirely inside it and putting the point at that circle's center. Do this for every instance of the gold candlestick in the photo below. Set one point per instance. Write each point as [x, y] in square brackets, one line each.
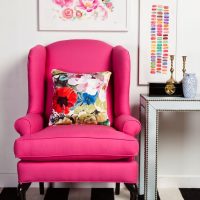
[184, 65]
[172, 80]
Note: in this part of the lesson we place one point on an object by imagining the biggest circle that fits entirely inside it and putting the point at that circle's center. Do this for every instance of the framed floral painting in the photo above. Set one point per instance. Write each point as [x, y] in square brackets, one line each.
[83, 15]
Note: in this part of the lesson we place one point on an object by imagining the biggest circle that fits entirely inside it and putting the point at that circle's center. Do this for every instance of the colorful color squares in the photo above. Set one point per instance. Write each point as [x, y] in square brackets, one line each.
[159, 39]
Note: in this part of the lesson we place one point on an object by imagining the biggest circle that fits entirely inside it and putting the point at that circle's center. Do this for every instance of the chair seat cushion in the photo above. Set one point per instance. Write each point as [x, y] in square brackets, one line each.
[76, 142]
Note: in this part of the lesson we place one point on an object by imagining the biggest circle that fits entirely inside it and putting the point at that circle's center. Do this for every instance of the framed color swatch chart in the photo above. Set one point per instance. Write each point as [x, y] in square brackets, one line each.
[157, 39]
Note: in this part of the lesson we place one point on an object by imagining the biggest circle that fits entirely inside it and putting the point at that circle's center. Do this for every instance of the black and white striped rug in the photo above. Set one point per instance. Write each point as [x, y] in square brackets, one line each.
[60, 194]
[96, 194]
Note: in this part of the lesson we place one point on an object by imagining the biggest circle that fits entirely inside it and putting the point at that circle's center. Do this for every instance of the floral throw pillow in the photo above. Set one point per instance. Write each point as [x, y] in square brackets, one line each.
[79, 98]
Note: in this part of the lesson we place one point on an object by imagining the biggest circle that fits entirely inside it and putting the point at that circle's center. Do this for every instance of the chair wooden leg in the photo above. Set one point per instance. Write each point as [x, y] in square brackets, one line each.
[133, 191]
[136, 191]
[21, 190]
[41, 188]
[117, 189]
[51, 185]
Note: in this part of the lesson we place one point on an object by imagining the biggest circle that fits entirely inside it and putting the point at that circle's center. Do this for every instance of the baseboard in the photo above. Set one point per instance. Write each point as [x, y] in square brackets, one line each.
[84, 185]
[8, 180]
[187, 181]
[11, 180]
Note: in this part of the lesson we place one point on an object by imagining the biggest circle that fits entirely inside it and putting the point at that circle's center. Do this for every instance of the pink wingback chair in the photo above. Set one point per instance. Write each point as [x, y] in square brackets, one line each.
[77, 153]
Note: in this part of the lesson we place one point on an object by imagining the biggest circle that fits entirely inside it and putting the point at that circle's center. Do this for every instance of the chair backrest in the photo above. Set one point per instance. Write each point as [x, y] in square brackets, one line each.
[79, 56]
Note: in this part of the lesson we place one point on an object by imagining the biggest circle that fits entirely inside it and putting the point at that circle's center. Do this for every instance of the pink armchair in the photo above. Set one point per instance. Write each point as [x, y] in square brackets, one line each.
[77, 153]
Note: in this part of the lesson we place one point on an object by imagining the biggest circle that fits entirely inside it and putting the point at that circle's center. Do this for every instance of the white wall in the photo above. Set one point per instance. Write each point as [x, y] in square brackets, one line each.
[179, 159]
[18, 33]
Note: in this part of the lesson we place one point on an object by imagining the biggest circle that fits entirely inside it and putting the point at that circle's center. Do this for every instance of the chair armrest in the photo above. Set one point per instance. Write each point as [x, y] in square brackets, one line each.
[127, 124]
[29, 124]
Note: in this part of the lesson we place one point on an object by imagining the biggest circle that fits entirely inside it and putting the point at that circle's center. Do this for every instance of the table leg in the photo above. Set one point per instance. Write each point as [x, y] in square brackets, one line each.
[151, 143]
[141, 155]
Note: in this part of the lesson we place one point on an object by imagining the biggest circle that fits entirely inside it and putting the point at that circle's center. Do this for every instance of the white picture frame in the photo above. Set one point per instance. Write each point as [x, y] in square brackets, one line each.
[158, 36]
[76, 15]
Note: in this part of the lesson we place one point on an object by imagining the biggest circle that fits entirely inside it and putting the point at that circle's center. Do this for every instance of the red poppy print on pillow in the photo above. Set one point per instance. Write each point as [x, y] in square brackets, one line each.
[63, 99]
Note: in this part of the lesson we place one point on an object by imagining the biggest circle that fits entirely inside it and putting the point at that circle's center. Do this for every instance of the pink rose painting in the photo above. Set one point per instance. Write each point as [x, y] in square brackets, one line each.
[83, 9]
[83, 15]
[88, 5]
[63, 3]
[67, 13]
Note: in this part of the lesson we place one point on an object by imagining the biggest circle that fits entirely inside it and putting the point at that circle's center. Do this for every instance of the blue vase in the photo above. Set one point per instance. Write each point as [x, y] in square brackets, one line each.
[189, 85]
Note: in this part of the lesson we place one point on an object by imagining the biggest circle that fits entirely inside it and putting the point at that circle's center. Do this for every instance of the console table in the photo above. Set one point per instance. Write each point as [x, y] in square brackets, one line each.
[150, 107]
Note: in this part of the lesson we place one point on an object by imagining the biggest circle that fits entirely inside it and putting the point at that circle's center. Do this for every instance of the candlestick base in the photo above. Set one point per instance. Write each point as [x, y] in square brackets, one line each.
[171, 80]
